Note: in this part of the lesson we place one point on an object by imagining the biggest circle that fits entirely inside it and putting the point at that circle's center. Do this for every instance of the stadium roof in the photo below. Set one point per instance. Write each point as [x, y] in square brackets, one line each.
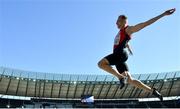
[46, 85]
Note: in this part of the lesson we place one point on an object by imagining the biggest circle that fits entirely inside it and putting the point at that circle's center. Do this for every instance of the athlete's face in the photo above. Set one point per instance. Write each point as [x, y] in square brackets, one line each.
[121, 22]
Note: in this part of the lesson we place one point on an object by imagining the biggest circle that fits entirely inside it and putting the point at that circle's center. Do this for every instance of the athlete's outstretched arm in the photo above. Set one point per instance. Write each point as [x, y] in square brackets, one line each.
[136, 28]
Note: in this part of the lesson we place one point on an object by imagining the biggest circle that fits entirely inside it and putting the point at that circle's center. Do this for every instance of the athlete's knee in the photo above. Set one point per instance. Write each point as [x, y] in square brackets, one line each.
[102, 63]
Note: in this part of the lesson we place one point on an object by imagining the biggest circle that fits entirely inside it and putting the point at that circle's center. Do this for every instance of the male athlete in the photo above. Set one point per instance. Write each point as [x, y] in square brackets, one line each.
[119, 55]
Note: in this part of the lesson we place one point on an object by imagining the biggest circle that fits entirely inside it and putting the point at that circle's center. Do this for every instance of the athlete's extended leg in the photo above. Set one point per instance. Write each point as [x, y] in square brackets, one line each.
[138, 83]
[104, 64]
[141, 85]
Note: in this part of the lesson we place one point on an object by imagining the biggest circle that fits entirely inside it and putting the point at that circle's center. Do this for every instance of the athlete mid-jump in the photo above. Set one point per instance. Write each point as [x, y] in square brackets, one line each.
[119, 55]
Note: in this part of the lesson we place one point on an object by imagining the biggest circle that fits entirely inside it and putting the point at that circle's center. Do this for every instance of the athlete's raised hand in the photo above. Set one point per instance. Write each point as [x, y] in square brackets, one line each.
[137, 27]
[169, 12]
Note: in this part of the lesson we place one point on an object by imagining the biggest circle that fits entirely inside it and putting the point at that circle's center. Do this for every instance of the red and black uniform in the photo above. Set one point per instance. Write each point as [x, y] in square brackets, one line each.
[119, 55]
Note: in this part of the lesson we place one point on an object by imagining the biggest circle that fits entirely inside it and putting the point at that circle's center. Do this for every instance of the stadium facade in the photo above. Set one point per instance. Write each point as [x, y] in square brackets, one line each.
[36, 89]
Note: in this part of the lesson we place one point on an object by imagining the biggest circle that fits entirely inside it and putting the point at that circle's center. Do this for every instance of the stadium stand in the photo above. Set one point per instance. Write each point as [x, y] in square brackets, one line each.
[26, 89]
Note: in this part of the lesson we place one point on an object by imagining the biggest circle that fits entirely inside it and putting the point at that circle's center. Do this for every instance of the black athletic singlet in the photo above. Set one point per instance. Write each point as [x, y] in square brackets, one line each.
[121, 40]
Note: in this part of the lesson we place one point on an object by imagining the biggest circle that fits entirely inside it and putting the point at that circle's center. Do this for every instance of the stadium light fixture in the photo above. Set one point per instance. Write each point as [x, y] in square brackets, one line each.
[8, 106]
[74, 82]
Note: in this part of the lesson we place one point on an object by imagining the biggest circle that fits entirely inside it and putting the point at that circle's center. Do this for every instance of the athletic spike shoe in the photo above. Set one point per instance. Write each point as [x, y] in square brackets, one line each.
[122, 82]
[157, 94]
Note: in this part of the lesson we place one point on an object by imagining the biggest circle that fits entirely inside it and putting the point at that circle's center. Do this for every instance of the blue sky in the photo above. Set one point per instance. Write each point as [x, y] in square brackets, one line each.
[71, 36]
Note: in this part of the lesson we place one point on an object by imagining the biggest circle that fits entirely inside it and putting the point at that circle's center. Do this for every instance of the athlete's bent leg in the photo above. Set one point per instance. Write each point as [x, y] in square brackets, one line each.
[104, 64]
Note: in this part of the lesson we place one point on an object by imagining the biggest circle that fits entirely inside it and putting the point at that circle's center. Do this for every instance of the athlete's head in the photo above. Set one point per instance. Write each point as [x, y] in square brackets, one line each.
[121, 21]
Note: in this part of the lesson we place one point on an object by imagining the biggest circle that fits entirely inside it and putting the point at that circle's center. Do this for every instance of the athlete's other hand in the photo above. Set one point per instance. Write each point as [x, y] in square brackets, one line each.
[130, 52]
[129, 49]
[169, 12]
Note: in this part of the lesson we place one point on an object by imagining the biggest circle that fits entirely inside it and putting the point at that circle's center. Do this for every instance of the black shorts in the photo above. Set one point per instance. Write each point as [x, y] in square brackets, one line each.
[119, 60]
